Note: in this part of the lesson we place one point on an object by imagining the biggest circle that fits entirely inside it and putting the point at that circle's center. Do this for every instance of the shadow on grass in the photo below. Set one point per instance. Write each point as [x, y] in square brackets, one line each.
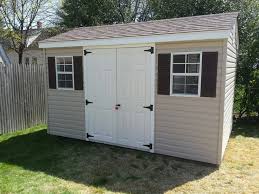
[113, 168]
[246, 127]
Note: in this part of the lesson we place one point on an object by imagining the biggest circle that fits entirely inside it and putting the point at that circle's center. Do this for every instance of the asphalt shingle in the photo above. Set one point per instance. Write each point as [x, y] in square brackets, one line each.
[213, 22]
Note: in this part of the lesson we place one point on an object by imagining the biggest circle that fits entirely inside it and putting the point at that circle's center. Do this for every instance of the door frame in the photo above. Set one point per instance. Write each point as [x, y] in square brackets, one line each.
[152, 89]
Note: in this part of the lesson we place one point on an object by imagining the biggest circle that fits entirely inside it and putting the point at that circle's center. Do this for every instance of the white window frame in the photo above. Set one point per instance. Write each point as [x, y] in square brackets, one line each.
[185, 74]
[56, 66]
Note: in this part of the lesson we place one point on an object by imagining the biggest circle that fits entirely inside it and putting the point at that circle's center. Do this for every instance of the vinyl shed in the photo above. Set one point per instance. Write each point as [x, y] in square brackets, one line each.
[162, 86]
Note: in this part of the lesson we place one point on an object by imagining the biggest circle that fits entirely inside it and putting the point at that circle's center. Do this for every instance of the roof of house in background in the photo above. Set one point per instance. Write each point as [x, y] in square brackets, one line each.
[45, 33]
[213, 22]
[36, 35]
[3, 56]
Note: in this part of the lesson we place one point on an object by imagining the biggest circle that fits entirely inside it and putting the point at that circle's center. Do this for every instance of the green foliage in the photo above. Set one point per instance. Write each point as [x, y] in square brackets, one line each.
[247, 89]
[31, 161]
[76, 13]
[170, 9]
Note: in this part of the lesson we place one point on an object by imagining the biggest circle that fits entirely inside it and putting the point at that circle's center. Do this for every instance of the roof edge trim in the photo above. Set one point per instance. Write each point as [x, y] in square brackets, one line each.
[208, 35]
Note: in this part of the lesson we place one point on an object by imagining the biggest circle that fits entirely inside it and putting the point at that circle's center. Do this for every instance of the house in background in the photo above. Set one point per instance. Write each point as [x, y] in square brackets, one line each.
[4, 59]
[162, 86]
[33, 54]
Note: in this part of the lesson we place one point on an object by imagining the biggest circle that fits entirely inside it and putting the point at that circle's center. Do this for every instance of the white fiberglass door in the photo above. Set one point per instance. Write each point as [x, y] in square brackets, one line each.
[100, 89]
[133, 93]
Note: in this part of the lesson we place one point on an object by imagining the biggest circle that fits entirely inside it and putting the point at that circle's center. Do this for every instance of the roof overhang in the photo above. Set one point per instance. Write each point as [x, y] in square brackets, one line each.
[194, 36]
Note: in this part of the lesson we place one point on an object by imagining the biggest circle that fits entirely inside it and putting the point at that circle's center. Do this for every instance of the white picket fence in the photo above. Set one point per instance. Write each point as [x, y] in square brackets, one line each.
[23, 96]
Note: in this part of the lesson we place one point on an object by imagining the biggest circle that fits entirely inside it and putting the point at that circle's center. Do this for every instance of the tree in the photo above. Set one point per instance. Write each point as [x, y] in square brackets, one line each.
[76, 13]
[163, 9]
[247, 81]
[19, 17]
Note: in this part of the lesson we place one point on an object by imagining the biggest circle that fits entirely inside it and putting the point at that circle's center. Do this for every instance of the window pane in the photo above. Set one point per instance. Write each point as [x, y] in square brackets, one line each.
[34, 60]
[27, 60]
[60, 67]
[178, 89]
[191, 89]
[68, 60]
[179, 59]
[60, 60]
[179, 80]
[192, 68]
[61, 84]
[193, 58]
[179, 68]
[61, 77]
[68, 76]
[69, 84]
[68, 68]
[192, 79]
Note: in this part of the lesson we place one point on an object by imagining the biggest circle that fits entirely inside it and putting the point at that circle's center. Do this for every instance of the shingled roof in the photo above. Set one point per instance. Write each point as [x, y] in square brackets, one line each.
[213, 22]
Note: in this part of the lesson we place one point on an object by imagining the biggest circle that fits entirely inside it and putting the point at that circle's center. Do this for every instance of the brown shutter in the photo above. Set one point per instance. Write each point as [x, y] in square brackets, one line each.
[78, 72]
[209, 74]
[163, 85]
[52, 72]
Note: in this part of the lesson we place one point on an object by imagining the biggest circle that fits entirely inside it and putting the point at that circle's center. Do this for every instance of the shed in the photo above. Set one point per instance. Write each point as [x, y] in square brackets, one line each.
[164, 86]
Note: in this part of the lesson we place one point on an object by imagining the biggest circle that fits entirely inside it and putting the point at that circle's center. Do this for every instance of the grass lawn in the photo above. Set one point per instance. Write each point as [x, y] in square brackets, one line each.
[31, 161]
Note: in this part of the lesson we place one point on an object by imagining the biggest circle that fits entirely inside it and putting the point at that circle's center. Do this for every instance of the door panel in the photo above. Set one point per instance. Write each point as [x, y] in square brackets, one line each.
[100, 87]
[133, 92]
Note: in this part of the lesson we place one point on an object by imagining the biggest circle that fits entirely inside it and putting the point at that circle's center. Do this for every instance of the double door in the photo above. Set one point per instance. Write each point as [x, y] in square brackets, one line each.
[118, 96]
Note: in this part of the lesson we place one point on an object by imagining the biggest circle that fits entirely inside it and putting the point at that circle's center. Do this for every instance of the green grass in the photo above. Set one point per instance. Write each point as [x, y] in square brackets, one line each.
[31, 161]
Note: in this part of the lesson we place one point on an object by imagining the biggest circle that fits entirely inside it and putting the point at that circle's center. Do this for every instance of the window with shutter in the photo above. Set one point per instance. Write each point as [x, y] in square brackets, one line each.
[187, 74]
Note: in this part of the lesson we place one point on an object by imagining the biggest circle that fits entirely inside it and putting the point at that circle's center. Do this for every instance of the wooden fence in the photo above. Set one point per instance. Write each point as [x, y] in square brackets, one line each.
[22, 96]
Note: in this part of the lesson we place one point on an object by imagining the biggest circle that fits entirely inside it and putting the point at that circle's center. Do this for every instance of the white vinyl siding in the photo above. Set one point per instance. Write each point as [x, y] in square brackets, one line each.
[66, 113]
[230, 76]
[66, 108]
[189, 127]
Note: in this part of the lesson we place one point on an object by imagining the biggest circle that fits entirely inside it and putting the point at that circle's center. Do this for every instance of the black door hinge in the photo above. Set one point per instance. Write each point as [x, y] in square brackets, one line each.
[151, 50]
[86, 52]
[150, 107]
[88, 135]
[87, 102]
[149, 146]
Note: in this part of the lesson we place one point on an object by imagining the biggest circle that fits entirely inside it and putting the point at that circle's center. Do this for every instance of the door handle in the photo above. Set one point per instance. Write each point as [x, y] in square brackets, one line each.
[117, 106]
[150, 107]
[87, 102]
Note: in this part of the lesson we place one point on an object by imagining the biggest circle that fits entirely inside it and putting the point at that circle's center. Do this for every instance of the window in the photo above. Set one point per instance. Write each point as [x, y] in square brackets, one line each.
[186, 74]
[27, 60]
[34, 60]
[65, 74]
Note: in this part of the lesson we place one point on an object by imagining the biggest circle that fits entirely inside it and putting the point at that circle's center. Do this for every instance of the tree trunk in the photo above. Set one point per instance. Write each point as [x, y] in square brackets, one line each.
[20, 55]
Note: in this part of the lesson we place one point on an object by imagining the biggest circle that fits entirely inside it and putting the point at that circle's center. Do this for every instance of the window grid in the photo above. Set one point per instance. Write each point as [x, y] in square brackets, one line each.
[64, 72]
[186, 74]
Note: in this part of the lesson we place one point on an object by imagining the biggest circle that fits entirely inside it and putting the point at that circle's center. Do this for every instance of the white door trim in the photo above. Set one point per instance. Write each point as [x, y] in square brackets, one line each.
[152, 89]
